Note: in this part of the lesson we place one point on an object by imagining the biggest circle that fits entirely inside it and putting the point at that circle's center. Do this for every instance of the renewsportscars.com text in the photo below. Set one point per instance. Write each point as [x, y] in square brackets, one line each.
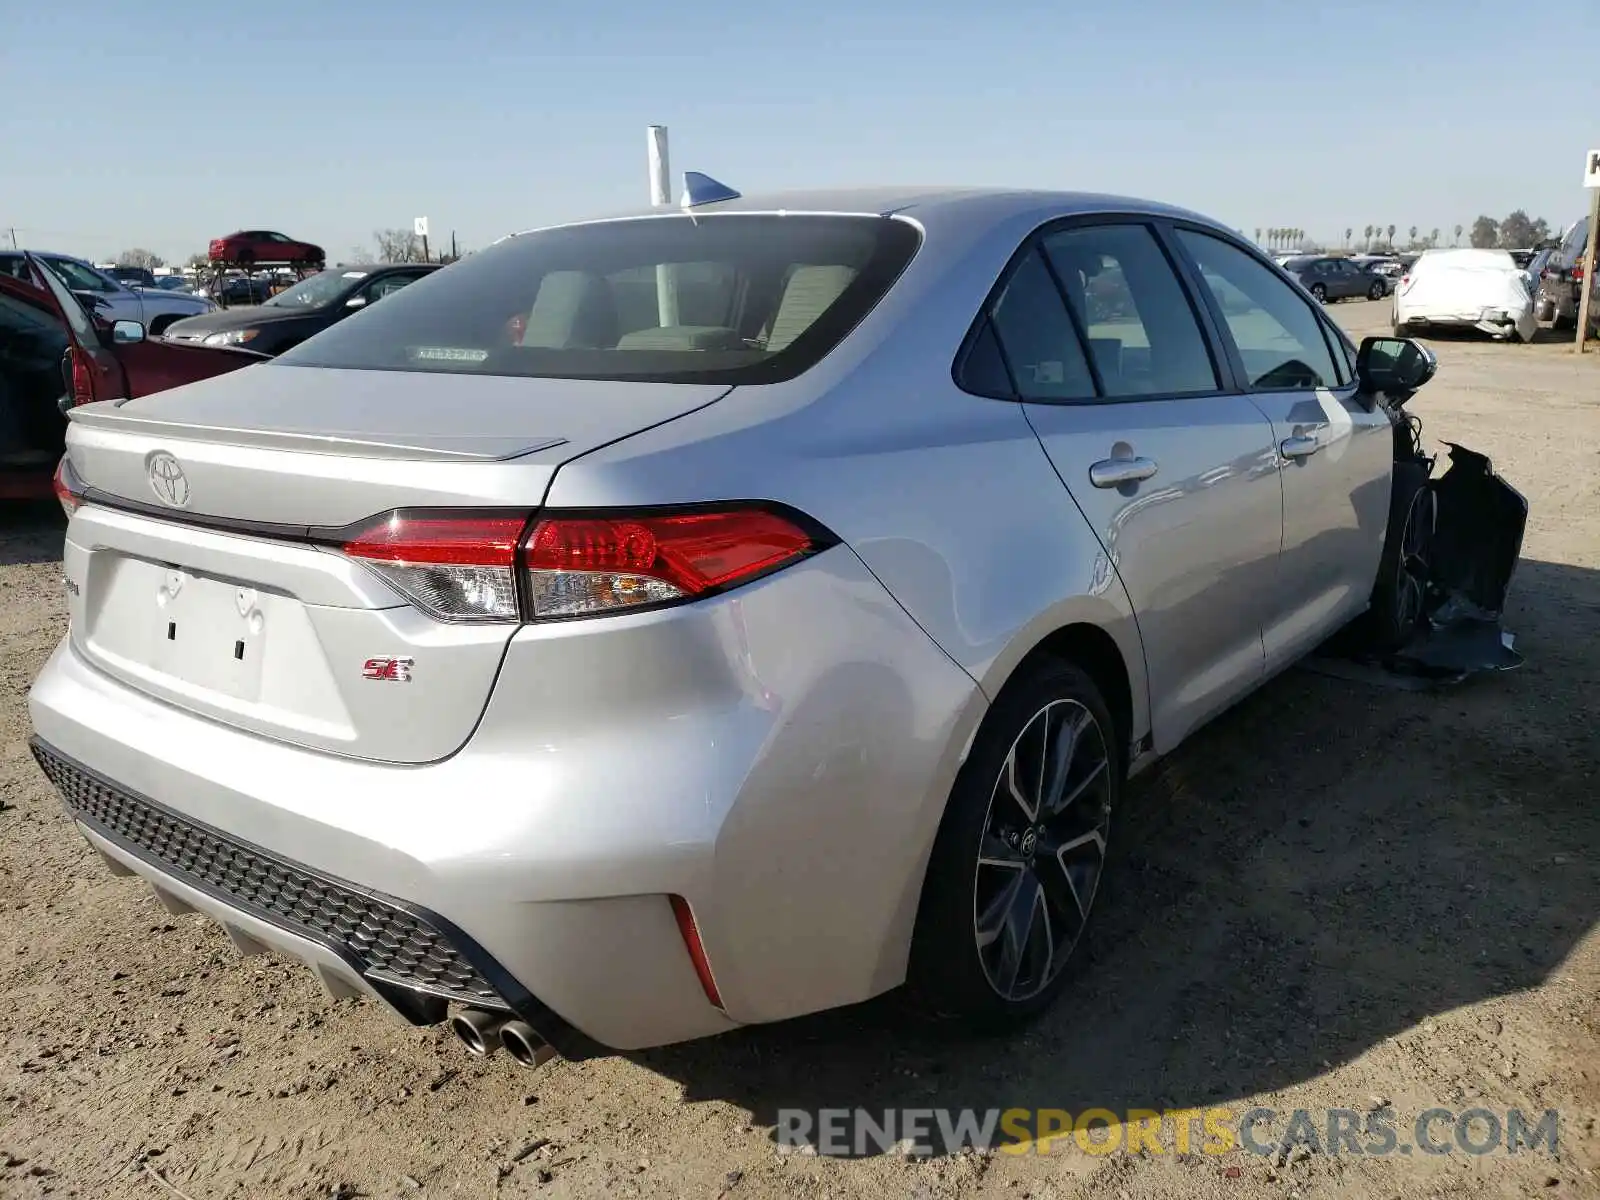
[856, 1132]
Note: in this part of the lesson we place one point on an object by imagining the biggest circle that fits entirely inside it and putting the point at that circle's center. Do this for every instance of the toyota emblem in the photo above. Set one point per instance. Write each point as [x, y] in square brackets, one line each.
[167, 479]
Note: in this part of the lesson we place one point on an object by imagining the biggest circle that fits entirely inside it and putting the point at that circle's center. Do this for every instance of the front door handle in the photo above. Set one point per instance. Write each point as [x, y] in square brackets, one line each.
[1114, 472]
[1299, 447]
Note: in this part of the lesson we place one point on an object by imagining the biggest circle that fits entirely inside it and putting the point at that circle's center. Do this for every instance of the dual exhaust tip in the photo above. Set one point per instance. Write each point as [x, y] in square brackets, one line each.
[482, 1033]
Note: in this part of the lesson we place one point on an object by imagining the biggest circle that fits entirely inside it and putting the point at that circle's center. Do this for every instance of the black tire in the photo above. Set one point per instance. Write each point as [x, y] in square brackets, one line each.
[1397, 594]
[1376, 292]
[1320, 292]
[158, 326]
[950, 974]
[1563, 324]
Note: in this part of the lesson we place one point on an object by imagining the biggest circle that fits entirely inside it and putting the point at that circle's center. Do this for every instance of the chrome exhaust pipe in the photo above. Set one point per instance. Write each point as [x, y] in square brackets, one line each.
[478, 1030]
[524, 1045]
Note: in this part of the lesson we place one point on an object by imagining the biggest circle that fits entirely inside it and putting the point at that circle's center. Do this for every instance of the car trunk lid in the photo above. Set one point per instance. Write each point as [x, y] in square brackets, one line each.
[204, 568]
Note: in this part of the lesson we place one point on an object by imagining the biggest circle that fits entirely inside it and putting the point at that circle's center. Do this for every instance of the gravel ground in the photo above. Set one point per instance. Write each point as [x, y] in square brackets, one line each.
[1339, 895]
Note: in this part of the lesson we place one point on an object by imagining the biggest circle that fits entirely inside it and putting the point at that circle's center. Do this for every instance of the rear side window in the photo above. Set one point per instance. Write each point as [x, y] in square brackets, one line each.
[1036, 338]
[1143, 335]
[1279, 338]
[734, 298]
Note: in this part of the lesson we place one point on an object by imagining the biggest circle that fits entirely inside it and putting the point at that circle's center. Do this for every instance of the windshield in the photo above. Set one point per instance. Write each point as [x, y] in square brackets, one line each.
[321, 288]
[721, 298]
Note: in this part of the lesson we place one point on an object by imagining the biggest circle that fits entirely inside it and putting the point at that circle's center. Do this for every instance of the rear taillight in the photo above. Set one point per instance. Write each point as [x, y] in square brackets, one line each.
[1577, 273]
[82, 377]
[66, 487]
[579, 566]
[464, 566]
[453, 566]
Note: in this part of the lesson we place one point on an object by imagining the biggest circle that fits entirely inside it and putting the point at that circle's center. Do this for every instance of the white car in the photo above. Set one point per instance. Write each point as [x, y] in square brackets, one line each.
[1466, 289]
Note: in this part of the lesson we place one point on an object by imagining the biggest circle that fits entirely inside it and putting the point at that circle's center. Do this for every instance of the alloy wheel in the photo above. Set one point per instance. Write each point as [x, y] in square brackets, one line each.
[1042, 850]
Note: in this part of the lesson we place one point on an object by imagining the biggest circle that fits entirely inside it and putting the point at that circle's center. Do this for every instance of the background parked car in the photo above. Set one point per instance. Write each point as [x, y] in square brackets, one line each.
[1466, 289]
[110, 298]
[265, 246]
[1331, 279]
[291, 316]
[1562, 278]
[54, 355]
[134, 276]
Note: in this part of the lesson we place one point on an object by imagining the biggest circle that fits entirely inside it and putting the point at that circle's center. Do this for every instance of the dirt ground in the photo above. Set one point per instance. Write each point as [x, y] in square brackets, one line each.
[1339, 895]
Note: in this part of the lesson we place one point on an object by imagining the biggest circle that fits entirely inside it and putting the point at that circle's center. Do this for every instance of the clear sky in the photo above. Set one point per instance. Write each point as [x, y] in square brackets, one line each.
[163, 125]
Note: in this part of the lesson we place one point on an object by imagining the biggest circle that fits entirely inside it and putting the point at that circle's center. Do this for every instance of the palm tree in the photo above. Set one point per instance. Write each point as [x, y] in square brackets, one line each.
[1413, 235]
[1366, 237]
[1391, 237]
[1347, 235]
[1457, 242]
[1433, 238]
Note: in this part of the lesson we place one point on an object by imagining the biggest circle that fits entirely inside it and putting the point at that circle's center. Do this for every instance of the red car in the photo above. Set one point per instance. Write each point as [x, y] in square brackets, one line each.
[54, 355]
[264, 246]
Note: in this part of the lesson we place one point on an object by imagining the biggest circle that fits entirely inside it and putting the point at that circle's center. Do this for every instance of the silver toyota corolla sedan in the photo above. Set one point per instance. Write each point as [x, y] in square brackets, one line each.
[652, 626]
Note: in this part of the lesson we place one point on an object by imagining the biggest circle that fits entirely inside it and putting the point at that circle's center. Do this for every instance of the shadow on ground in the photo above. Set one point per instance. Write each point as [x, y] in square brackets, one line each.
[1320, 869]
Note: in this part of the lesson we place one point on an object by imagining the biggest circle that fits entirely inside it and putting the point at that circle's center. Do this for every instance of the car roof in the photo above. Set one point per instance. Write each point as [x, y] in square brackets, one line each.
[930, 206]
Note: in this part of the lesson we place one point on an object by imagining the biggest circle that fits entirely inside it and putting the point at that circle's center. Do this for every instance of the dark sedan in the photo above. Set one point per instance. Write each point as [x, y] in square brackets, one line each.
[292, 316]
[1337, 279]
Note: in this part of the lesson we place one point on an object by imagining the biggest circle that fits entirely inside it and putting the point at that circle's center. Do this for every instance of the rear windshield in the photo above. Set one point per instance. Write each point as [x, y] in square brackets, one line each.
[728, 298]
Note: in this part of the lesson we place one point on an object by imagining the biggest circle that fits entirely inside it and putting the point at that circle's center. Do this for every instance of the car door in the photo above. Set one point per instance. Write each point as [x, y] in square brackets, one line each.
[1335, 448]
[91, 370]
[1174, 472]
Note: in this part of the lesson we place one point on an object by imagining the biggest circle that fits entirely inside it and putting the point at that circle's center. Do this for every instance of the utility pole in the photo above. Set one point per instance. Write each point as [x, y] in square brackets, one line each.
[13, 232]
[1591, 180]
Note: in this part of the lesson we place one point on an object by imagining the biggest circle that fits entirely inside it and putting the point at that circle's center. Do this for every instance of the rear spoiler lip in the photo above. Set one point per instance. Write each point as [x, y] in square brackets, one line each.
[107, 415]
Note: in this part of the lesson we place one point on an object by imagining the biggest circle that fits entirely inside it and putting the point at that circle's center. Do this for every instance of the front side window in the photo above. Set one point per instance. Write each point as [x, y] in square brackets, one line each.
[1279, 338]
[1143, 335]
[733, 298]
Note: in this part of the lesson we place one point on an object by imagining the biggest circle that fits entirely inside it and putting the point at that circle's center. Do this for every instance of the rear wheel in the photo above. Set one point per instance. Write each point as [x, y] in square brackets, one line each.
[1320, 292]
[158, 325]
[1019, 854]
[1375, 292]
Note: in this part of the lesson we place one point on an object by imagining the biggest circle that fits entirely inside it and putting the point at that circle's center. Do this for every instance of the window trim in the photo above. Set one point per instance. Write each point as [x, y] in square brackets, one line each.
[1219, 352]
[1231, 348]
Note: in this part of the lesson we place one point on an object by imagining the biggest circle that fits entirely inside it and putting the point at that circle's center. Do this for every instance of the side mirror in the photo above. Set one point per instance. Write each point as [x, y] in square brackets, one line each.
[127, 333]
[1389, 365]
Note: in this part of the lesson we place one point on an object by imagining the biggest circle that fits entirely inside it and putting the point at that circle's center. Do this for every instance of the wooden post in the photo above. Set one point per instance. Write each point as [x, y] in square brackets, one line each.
[425, 257]
[1586, 288]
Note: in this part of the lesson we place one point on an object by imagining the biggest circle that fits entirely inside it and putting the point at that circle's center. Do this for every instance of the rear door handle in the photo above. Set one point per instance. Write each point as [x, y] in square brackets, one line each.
[1299, 447]
[1114, 472]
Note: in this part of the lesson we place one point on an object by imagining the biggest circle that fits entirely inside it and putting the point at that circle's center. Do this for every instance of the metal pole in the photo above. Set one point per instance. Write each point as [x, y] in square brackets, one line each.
[660, 196]
[1586, 288]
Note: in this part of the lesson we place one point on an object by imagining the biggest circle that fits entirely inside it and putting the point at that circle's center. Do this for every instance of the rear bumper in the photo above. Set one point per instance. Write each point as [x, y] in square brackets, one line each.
[779, 757]
[1499, 321]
